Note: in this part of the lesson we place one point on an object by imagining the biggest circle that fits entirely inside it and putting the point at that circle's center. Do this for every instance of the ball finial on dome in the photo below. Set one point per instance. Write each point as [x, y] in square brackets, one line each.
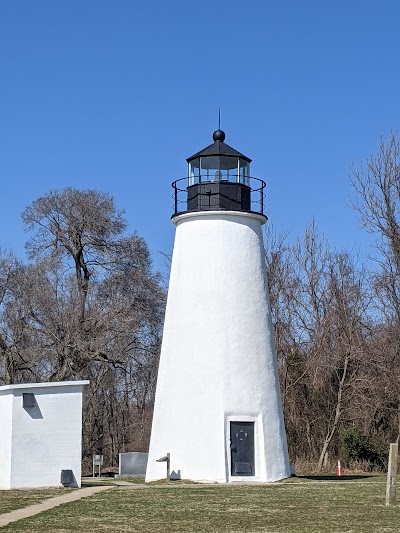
[219, 135]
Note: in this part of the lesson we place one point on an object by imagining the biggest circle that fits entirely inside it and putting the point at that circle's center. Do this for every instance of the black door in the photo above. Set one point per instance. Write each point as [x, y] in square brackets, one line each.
[242, 449]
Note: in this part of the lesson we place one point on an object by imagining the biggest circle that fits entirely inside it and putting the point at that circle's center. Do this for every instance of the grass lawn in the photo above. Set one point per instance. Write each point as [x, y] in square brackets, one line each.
[306, 505]
[17, 499]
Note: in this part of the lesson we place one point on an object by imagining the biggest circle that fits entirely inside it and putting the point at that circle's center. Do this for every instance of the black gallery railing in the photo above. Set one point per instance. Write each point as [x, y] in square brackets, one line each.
[236, 194]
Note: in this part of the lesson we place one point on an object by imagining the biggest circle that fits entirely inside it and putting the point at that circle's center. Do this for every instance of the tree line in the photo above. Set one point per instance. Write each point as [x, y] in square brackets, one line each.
[88, 305]
[337, 328]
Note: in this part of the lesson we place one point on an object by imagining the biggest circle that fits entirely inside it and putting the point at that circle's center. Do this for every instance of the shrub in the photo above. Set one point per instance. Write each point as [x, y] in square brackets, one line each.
[361, 448]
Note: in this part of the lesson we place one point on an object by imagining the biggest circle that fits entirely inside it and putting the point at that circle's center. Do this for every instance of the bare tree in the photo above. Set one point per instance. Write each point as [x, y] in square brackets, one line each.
[344, 359]
[88, 305]
[377, 200]
[377, 187]
[79, 226]
[79, 234]
[15, 363]
[319, 305]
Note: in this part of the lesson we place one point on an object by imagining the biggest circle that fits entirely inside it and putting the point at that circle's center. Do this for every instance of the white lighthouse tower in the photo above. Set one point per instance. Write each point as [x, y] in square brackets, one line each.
[218, 410]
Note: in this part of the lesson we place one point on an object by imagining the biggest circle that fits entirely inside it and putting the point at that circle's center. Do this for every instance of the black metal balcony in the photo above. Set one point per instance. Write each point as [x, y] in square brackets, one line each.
[245, 194]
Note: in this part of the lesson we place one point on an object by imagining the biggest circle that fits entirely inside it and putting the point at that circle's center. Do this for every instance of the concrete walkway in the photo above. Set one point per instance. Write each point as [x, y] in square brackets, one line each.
[37, 508]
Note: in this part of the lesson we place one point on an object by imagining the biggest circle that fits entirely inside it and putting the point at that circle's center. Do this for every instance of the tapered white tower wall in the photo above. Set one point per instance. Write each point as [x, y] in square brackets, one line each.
[218, 362]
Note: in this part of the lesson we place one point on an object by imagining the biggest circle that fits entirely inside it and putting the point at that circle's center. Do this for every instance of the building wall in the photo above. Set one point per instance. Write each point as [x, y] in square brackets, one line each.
[218, 359]
[5, 440]
[44, 439]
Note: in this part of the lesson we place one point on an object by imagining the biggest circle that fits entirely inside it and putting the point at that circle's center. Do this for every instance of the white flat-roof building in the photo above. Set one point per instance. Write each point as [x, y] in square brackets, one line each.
[41, 434]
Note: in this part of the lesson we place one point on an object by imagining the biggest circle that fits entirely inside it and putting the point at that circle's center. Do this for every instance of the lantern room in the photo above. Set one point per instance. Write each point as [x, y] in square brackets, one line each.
[218, 179]
[218, 162]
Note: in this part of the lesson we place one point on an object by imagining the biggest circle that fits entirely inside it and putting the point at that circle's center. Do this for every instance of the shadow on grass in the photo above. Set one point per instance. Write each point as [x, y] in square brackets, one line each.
[337, 478]
[86, 484]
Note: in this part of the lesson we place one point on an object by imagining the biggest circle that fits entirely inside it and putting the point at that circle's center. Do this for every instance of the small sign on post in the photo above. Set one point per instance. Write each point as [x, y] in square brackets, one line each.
[392, 475]
[166, 459]
[97, 461]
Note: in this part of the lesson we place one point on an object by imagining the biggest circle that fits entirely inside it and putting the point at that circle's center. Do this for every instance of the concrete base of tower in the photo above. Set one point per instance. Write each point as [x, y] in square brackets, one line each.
[246, 454]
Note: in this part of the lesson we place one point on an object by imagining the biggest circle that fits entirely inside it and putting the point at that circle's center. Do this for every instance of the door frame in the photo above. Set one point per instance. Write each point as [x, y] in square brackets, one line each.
[259, 459]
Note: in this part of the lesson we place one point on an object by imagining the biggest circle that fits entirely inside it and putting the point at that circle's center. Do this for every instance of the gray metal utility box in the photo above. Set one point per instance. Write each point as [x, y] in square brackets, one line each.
[133, 464]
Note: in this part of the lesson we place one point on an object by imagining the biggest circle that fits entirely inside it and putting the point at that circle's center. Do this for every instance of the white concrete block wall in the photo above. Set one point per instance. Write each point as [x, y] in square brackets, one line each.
[45, 439]
[5, 439]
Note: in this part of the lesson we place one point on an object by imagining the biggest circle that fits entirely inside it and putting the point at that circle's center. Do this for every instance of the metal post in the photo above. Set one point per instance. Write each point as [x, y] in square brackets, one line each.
[392, 475]
[168, 467]
[93, 458]
[176, 197]
[262, 198]
[166, 459]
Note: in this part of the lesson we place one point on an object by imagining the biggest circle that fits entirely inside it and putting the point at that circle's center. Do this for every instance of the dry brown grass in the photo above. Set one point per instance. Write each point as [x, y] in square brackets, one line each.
[304, 467]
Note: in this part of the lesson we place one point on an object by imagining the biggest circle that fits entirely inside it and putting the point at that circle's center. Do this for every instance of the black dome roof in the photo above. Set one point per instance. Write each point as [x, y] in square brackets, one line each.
[218, 148]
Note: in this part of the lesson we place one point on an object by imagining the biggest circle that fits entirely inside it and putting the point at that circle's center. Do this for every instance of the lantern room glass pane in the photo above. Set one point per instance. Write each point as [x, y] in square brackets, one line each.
[228, 168]
[219, 168]
[244, 172]
[194, 166]
[209, 168]
[229, 163]
[209, 163]
[194, 172]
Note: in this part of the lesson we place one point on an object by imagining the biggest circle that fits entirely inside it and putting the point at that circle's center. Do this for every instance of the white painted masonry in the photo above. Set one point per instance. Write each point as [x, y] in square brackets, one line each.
[218, 361]
[36, 443]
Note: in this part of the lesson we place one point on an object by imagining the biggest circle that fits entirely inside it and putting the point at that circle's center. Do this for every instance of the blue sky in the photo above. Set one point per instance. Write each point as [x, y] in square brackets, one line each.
[114, 95]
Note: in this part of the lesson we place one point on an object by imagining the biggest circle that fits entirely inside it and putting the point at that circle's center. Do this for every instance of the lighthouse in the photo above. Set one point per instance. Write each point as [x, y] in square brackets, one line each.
[218, 414]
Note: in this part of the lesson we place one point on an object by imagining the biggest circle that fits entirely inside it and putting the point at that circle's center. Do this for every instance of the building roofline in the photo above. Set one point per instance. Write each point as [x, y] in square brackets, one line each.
[44, 385]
